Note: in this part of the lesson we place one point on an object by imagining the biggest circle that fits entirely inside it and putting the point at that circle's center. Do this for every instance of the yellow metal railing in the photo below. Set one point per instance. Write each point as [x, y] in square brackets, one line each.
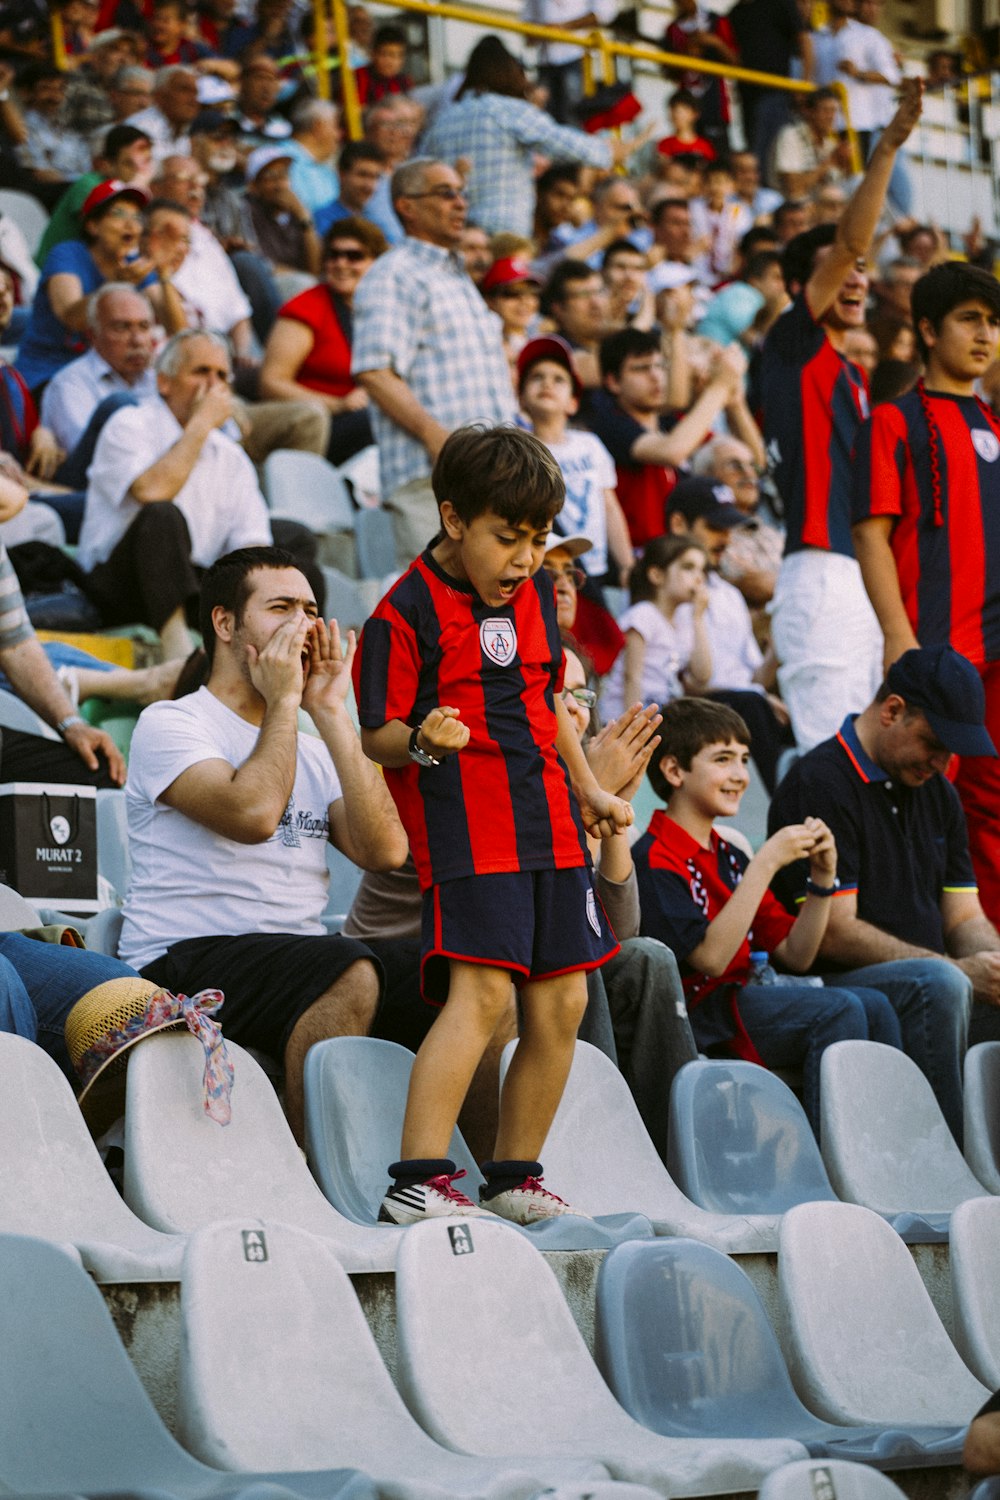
[606, 48]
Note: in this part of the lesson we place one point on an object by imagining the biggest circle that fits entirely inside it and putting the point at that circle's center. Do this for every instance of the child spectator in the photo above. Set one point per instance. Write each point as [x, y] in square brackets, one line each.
[682, 107]
[384, 74]
[702, 897]
[665, 655]
[459, 680]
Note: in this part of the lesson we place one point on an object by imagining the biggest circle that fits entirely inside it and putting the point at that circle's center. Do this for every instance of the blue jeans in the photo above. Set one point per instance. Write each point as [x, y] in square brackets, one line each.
[16, 1011]
[791, 1024]
[933, 1000]
[54, 979]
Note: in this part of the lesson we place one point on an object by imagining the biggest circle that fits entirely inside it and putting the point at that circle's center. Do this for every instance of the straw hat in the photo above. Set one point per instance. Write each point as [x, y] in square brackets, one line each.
[102, 1027]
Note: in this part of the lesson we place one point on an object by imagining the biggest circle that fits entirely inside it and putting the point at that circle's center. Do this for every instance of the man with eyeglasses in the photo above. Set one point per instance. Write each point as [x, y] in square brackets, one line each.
[427, 349]
[753, 556]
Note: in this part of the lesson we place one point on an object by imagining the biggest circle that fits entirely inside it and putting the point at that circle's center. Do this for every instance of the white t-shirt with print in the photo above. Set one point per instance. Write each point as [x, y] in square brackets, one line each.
[588, 470]
[668, 644]
[190, 882]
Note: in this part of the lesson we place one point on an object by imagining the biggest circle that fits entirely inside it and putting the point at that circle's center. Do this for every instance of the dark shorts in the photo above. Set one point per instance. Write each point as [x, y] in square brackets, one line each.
[537, 923]
[269, 979]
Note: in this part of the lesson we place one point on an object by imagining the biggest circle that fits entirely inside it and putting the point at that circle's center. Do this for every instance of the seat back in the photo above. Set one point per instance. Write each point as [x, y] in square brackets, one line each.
[356, 1089]
[684, 1342]
[861, 1337]
[251, 1166]
[52, 1181]
[982, 1113]
[828, 1479]
[114, 860]
[28, 214]
[304, 487]
[598, 1155]
[740, 1142]
[345, 602]
[73, 1413]
[15, 714]
[375, 542]
[885, 1141]
[975, 1275]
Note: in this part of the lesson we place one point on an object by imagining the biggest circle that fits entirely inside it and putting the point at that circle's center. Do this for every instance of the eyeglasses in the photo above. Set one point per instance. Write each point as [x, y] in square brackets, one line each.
[586, 696]
[446, 194]
[576, 576]
[353, 257]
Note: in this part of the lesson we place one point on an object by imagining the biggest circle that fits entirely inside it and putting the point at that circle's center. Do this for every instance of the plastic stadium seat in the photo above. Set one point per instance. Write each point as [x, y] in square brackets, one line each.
[684, 1342]
[740, 1142]
[599, 1156]
[102, 933]
[345, 602]
[986, 1489]
[828, 1481]
[982, 1113]
[28, 214]
[355, 1099]
[114, 861]
[975, 1275]
[278, 1365]
[497, 1289]
[885, 1141]
[15, 714]
[861, 1337]
[376, 545]
[304, 487]
[53, 1183]
[250, 1167]
[73, 1413]
[345, 877]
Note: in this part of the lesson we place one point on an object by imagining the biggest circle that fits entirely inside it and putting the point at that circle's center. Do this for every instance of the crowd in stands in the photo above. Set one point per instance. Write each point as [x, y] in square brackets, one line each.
[691, 427]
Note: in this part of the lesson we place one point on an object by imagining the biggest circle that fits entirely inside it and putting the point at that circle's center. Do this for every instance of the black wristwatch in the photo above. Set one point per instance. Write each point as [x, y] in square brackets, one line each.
[812, 889]
[421, 757]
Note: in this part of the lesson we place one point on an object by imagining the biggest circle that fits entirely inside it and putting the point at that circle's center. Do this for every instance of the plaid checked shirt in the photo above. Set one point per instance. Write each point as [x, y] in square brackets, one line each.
[500, 137]
[417, 313]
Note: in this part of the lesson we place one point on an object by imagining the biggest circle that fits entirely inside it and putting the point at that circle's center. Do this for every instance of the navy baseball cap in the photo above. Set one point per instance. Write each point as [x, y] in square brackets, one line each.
[697, 498]
[948, 690]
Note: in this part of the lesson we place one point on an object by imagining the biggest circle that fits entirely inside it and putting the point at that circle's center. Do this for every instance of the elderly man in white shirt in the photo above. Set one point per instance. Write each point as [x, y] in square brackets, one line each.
[169, 118]
[168, 494]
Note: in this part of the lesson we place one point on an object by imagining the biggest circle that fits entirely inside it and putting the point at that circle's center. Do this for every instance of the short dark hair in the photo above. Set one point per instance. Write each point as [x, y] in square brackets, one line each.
[659, 209]
[121, 136]
[945, 287]
[799, 255]
[621, 246]
[356, 151]
[759, 234]
[660, 552]
[501, 469]
[684, 96]
[760, 261]
[627, 343]
[721, 165]
[818, 95]
[170, 204]
[389, 35]
[689, 724]
[226, 585]
[566, 272]
[560, 171]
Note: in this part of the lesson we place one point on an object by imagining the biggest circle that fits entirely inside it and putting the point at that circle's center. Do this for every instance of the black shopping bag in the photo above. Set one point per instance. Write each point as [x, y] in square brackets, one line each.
[48, 843]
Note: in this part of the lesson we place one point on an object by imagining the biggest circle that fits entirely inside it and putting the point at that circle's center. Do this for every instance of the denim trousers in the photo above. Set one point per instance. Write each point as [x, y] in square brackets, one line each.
[54, 978]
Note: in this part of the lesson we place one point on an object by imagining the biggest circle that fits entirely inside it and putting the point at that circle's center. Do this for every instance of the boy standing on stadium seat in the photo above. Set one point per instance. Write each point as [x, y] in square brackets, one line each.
[458, 681]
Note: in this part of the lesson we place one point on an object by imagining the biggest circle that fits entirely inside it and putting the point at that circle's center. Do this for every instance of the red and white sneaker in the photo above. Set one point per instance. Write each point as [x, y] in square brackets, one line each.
[433, 1199]
[530, 1203]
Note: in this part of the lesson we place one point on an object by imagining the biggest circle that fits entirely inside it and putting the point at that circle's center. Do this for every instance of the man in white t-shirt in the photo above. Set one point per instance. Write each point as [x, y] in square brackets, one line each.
[168, 493]
[230, 809]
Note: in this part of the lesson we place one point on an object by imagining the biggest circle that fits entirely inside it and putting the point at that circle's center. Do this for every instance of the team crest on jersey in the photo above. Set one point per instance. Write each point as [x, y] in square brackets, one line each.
[986, 444]
[498, 639]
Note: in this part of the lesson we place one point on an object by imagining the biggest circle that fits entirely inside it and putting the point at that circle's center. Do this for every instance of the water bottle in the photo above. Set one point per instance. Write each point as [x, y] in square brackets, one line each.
[760, 968]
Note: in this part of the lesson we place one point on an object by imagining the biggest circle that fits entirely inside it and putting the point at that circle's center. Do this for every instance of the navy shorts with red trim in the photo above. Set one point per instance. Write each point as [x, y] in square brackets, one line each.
[536, 923]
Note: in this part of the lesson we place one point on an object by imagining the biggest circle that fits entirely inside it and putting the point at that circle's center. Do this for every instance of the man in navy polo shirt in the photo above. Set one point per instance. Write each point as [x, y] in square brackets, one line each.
[907, 917]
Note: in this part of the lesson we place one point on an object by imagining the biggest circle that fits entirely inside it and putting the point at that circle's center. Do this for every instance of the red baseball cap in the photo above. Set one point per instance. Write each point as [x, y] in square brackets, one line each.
[104, 192]
[551, 346]
[510, 268]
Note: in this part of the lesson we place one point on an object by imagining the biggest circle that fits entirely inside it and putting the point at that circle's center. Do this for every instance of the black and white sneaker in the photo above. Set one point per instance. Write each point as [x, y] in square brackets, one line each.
[433, 1199]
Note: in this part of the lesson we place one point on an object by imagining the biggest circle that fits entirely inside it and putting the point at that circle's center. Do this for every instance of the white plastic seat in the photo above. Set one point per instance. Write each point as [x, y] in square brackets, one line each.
[981, 1099]
[375, 542]
[975, 1275]
[598, 1155]
[28, 214]
[487, 1348]
[884, 1139]
[345, 602]
[114, 860]
[279, 1366]
[210, 1172]
[828, 1479]
[304, 487]
[861, 1337]
[15, 714]
[53, 1184]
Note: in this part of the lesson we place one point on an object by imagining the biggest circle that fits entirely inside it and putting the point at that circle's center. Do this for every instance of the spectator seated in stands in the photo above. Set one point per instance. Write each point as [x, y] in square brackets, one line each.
[130, 91]
[630, 302]
[583, 623]
[667, 650]
[53, 151]
[213, 146]
[385, 74]
[809, 153]
[314, 139]
[88, 102]
[308, 355]
[169, 493]
[126, 155]
[361, 167]
[229, 804]
[618, 215]
[168, 39]
[701, 896]
[260, 124]
[392, 126]
[87, 755]
[284, 230]
[575, 300]
[512, 291]
[168, 120]
[908, 912]
[684, 112]
[753, 553]
[17, 1014]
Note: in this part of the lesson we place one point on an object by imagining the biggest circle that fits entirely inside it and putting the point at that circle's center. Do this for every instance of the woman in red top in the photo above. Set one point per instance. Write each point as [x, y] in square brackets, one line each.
[308, 354]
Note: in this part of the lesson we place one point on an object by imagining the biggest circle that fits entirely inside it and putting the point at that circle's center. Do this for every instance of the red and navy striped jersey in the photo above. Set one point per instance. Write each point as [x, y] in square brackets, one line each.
[946, 540]
[504, 802]
[813, 402]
